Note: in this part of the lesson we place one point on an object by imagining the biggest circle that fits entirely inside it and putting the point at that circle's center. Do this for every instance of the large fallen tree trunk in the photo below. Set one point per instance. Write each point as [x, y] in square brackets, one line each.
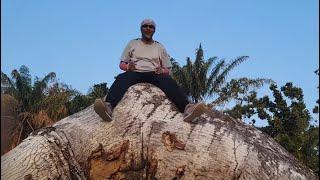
[148, 140]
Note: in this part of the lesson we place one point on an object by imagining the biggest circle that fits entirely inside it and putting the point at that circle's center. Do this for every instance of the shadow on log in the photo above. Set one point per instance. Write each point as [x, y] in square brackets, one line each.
[148, 140]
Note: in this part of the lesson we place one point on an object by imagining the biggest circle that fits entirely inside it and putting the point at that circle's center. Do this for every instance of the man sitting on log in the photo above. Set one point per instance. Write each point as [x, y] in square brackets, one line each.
[145, 60]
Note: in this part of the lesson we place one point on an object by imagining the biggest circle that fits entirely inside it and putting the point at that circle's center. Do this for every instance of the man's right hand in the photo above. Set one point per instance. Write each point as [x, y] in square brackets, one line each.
[131, 66]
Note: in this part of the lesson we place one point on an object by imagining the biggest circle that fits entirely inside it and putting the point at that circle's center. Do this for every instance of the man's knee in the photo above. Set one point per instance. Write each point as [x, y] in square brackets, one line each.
[124, 75]
[166, 80]
[128, 79]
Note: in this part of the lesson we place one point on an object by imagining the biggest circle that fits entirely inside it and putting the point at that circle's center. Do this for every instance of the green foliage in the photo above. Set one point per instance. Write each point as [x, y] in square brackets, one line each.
[44, 94]
[98, 91]
[202, 79]
[310, 149]
[194, 78]
[288, 121]
[46, 100]
[239, 90]
[80, 102]
[40, 103]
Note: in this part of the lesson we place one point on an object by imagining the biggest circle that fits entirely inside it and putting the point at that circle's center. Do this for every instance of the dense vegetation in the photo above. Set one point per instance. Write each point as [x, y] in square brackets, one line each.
[44, 100]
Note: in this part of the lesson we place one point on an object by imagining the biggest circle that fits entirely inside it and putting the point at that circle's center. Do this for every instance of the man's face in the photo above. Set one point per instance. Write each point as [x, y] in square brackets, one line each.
[147, 31]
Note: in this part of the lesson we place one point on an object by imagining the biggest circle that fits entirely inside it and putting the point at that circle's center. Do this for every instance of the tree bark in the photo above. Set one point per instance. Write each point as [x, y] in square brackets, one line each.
[148, 139]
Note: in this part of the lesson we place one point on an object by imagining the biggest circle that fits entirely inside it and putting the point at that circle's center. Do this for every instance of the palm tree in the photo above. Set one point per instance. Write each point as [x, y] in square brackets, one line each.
[205, 78]
[80, 102]
[40, 104]
[98, 91]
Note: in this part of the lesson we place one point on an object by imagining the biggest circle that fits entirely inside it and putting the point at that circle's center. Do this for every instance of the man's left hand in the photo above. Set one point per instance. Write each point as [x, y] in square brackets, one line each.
[159, 70]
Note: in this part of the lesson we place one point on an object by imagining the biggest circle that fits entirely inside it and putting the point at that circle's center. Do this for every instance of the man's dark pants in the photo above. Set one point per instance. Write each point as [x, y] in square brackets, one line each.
[164, 82]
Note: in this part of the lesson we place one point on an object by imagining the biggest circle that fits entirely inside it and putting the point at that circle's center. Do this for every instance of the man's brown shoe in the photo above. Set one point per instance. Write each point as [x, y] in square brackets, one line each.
[103, 109]
[193, 110]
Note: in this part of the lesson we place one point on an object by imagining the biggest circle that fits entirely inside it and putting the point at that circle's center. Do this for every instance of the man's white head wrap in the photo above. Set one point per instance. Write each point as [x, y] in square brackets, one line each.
[148, 21]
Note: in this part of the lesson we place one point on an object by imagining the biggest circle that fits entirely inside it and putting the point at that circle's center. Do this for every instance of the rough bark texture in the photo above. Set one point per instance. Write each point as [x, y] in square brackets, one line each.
[148, 140]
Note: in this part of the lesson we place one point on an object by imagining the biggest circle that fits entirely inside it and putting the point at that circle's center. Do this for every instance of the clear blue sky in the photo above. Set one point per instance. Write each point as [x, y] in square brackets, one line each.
[82, 41]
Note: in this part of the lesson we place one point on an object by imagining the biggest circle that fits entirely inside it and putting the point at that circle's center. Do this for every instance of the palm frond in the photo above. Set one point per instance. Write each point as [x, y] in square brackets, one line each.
[213, 76]
[209, 63]
[24, 74]
[41, 84]
[7, 86]
[222, 77]
[49, 77]
[253, 83]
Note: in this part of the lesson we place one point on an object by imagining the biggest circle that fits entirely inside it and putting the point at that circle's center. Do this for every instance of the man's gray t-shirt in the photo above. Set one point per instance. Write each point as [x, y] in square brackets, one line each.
[147, 57]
